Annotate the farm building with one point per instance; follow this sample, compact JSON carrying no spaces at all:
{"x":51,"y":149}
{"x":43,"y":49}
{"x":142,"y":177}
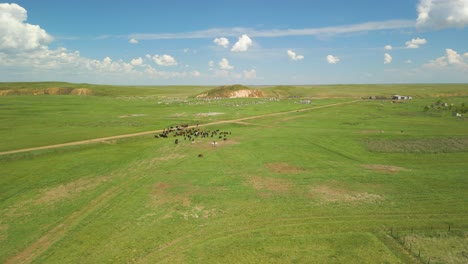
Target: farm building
{"x":401,"y":97}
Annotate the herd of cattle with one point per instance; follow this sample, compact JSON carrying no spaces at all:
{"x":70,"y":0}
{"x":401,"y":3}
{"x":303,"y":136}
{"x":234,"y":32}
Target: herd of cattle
{"x":192,"y":133}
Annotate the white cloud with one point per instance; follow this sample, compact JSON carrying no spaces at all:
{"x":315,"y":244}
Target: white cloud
{"x":224,"y":42}
{"x":440,"y":14}
{"x":465,"y":55}
{"x":137,"y":61}
{"x":408,"y":61}
{"x":387,"y":58}
{"x":186,"y":50}
{"x":15,"y":34}
{"x":224,"y":64}
{"x":415,"y":43}
{"x":133,"y":41}
{"x":453,"y":57}
{"x":211,"y":63}
{"x":252,"y":74}
{"x":388,"y":47}
{"x":273,"y":33}
{"x":332,"y":59}
{"x":451,"y":60}
{"x":195,"y":73}
{"x":152,"y":73}
{"x":164,"y":60}
{"x":242,"y":44}
{"x":293,"y":56}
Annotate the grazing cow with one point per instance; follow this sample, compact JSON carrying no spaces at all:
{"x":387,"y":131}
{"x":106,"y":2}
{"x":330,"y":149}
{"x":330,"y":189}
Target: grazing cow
{"x":200,"y":155}
{"x":176,"y":141}
{"x":214,"y":144}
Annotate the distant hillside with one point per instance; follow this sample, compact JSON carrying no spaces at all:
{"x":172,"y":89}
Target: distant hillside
{"x":231,"y":91}
{"x":64,"y":88}
{"x":47,"y":91}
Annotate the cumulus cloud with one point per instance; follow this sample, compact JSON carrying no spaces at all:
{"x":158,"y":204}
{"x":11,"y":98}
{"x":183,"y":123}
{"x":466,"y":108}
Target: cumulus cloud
{"x":408,"y":61}
{"x":15,"y":34}
{"x":242,"y":44}
{"x":211,"y":64}
{"x":293,"y":56}
{"x":164,"y":60}
{"x":387,"y":58}
{"x":440,"y":14}
{"x":388,"y":47}
{"x":332,"y":59}
{"x":453,"y":57}
{"x":133,"y":41}
{"x":451,"y":60}
{"x":252,"y":74}
{"x":415,"y":43}
{"x":137,"y":61}
{"x":224,"y":42}
{"x":224,"y":64}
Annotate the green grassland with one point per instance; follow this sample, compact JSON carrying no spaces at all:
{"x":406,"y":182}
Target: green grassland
{"x":365,"y":182}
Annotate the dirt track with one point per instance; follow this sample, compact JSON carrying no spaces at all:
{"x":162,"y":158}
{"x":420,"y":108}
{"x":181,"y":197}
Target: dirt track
{"x":100,"y":140}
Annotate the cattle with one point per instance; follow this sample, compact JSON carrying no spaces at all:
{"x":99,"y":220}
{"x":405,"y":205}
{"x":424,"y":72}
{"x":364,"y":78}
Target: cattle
{"x":200,"y":155}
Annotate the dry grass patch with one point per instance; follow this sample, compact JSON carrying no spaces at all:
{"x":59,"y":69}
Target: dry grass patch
{"x":283,"y":168}
{"x":418,"y":145}
{"x":331,"y":194}
{"x":270,"y":184}
{"x":199,"y":211}
{"x":64,"y":191}
{"x":52,"y":195}
{"x":383,"y":168}
{"x":163,"y":194}
{"x":3,"y":232}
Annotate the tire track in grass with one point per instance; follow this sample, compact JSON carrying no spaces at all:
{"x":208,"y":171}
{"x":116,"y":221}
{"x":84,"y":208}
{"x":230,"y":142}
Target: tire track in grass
{"x":47,"y":240}
{"x":104,"y":139}
{"x":38,"y":247}
{"x":166,"y":251}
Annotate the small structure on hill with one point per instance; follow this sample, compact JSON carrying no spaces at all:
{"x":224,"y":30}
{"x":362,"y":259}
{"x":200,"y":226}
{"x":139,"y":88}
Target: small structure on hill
{"x":401,"y":97}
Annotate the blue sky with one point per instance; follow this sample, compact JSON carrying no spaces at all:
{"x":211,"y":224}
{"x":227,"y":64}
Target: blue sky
{"x":224,"y":42}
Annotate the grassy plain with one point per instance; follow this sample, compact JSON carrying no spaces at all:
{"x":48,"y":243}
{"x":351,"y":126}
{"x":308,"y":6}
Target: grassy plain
{"x":318,"y":186}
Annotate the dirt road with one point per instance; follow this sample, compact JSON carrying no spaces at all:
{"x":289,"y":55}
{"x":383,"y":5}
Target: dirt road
{"x":104,"y":139}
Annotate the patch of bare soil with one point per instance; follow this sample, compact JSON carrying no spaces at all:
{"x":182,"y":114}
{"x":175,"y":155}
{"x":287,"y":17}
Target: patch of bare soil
{"x":330,"y":194}
{"x":163,"y":195}
{"x":131,"y":115}
{"x":81,"y":91}
{"x":199,"y":211}
{"x":383,"y":168}
{"x":246,"y":93}
{"x":283,"y":168}
{"x":269,"y":184}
